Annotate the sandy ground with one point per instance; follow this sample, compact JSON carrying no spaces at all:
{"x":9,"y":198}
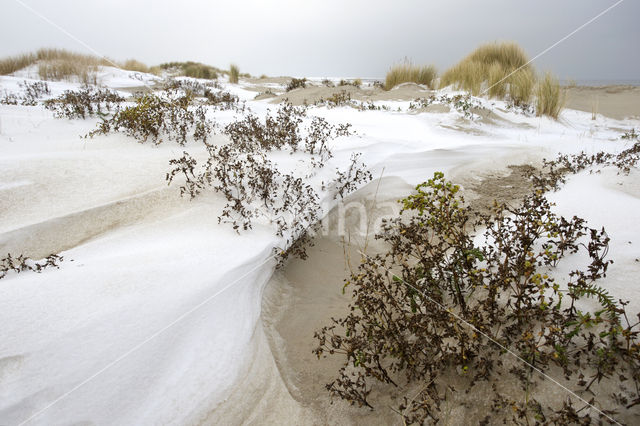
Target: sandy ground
{"x":617,"y":102}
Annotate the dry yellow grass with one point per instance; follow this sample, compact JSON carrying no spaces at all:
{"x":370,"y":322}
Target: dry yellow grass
{"x":234,"y":73}
{"x":521,"y":86}
{"x":15,"y":63}
{"x":550,"y":97}
{"x":61,"y":64}
{"x":408,"y":73}
{"x":134,"y":65}
{"x":490,"y":64}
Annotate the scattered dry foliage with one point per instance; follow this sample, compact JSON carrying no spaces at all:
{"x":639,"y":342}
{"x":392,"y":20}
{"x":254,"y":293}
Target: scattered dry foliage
{"x":23,"y":263}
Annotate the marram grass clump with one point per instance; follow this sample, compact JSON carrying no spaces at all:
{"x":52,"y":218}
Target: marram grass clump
{"x":550,"y":97}
{"x":409,"y":73}
{"x":489,"y":63}
{"x":234,"y":73}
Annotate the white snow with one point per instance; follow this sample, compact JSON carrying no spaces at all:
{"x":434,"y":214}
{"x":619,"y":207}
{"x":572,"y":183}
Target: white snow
{"x":150,"y":315}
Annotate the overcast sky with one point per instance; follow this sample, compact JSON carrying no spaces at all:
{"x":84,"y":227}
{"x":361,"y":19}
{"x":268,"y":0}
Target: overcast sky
{"x":350,"y":38}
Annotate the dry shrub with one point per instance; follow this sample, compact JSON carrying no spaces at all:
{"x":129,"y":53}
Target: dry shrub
{"x":550,"y":97}
{"x":409,"y":73}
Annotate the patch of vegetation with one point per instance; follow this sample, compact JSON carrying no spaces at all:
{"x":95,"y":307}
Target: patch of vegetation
{"x":155,"y":118}
{"x":234,"y":73}
{"x":252,"y":184}
{"x":355,"y":83}
{"x":409,"y":73}
{"x":341,"y":98}
{"x":296,"y":83}
{"x":443,"y":304}
{"x":521,"y":85}
{"x":630,"y":135}
{"x":134,"y":65}
{"x":461,"y":103}
{"x":192,"y":69}
{"x":489,"y":62}
{"x":83,"y":103}
{"x":550,"y":97}
{"x":55,"y":64}
{"x":23,"y":263}
{"x":32,"y":93}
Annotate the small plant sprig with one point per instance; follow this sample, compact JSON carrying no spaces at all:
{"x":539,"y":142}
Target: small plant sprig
{"x":23,"y":263}
{"x":631,"y":135}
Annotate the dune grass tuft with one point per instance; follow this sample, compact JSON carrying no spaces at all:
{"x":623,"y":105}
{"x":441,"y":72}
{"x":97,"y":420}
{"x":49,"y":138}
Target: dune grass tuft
{"x":15,"y":63}
{"x":234,"y":73}
{"x":61,"y":64}
{"x":521,"y":86}
{"x":409,"y":73}
{"x":134,"y":65}
{"x":550,"y":97}
{"x":489,"y":63}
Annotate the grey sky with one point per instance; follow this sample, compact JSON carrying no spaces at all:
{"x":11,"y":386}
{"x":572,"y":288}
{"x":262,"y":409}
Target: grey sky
{"x":351,"y":38}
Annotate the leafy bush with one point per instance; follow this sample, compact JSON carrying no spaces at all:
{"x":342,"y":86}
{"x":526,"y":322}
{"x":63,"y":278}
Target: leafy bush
{"x":442,"y":303}
{"x":253,"y":186}
{"x":550,"y":97}
{"x":155,"y":118}
{"x":83,"y":103}
{"x":407,"y":72}
{"x":296,"y":83}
